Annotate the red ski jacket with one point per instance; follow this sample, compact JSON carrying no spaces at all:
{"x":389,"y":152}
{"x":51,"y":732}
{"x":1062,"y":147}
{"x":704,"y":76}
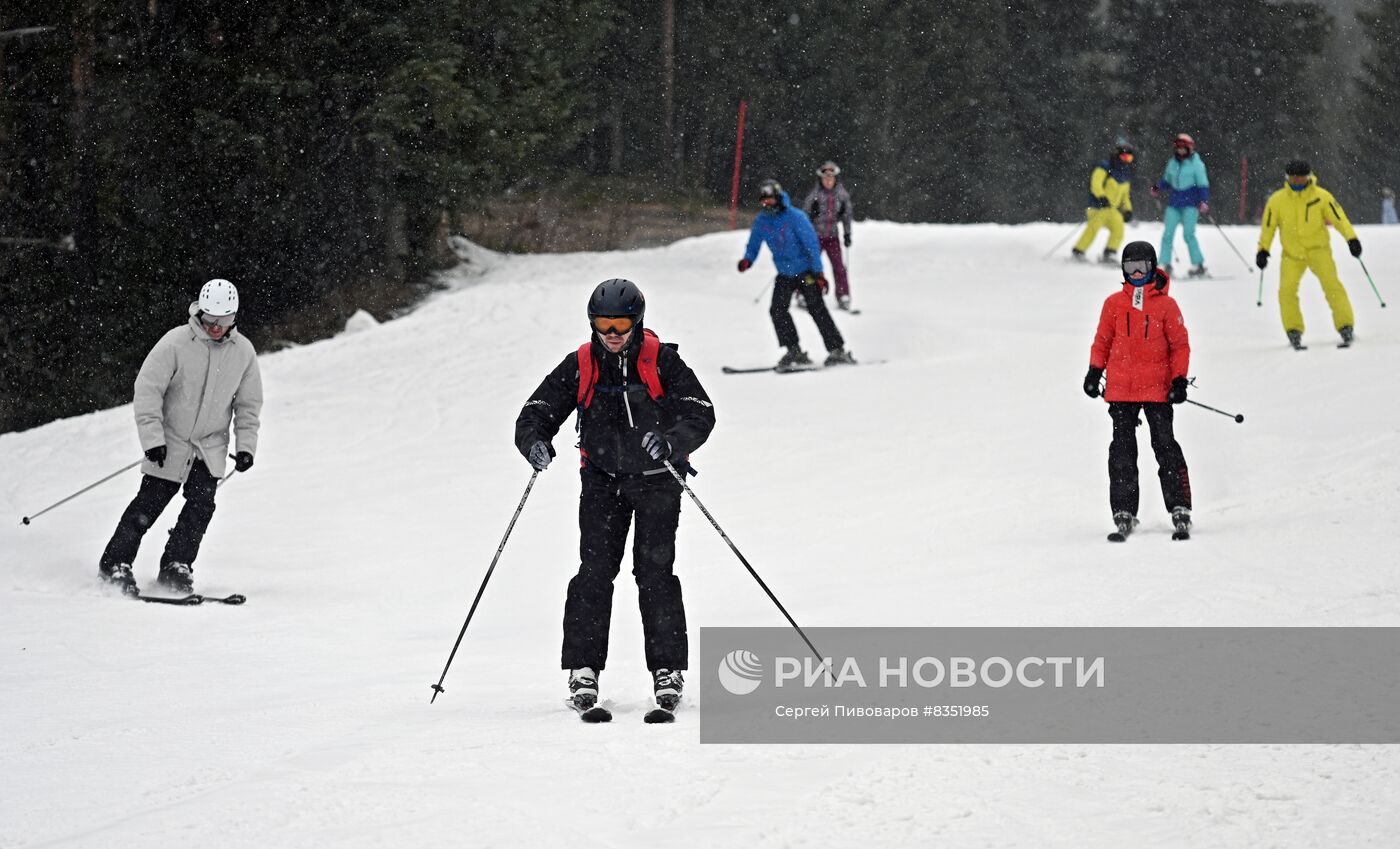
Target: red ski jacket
{"x":1141,"y":343}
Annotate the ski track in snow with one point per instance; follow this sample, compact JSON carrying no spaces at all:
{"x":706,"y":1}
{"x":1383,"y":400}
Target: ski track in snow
{"x":962,"y":483}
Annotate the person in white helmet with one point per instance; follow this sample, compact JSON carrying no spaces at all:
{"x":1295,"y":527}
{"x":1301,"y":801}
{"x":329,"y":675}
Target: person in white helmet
{"x":199,"y":379}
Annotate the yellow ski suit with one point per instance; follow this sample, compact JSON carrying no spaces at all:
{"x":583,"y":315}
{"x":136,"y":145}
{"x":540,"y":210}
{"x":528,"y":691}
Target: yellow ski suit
{"x":1110,"y":198}
{"x":1302,"y":217}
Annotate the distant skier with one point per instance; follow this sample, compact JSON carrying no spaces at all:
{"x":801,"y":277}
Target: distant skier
{"x":1142,"y":344}
{"x":1388,"y":207}
{"x":829,"y":204}
{"x":1185,"y":179}
{"x":1301,"y":212}
{"x":638,"y":404}
{"x":198,"y":379}
{"x":797,"y":255}
{"x":1110,"y":202}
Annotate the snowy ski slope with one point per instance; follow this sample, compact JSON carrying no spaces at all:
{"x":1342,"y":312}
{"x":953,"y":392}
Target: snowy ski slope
{"x":962,"y":483}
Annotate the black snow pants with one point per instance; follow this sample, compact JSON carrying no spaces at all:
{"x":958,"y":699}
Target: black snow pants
{"x":1123,"y":454}
{"x":780,"y":311}
{"x":605,"y":511}
{"x":146,"y":507}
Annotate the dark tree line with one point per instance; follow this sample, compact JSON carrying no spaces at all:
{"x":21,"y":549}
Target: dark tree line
{"x":307,"y":146}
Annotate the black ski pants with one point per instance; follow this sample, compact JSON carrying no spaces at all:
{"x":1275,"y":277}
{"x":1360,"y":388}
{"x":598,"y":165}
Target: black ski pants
{"x":780,"y":311}
{"x":606,"y":508}
{"x":1123,"y":455}
{"x":146,"y":507}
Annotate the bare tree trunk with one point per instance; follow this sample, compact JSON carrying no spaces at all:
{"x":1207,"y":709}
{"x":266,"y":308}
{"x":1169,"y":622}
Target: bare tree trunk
{"x":668,"y":87}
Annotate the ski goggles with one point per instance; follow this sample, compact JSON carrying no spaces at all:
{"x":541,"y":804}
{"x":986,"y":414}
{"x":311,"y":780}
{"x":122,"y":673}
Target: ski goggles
{"x":1137,"y":267}
{"x":1125,"y":158}
{"x":224,"y":321}
{"x":827,"y":172}
{"x":620,"y":325}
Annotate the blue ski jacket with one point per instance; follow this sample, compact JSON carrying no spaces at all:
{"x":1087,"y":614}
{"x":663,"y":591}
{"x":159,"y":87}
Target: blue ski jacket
{"x":1186,"y":179}
{"x":790,"y":236}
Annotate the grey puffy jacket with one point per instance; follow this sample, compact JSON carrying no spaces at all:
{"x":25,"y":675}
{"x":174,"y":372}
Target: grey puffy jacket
{"x":188,"y":392}
{"x":825,"y":208}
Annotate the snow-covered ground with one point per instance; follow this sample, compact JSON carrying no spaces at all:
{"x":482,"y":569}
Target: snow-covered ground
{"x":963,"y":482}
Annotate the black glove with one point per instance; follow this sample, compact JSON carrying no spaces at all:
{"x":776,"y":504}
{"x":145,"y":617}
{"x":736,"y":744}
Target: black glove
{"x":847,"y":240}
{"x":656,"y":445}
{"x":1261,"y":259}
{"x":1177,"y":394}
{"x":157,"y":455}
{"x":1091,"y":382}
{"x":242,"y":461}
{"x":1127,"y":215}
{"x":1355,"y":245}
{"x":540,"y":455}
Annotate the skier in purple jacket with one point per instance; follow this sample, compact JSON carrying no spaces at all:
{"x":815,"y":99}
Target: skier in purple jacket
{"x":828,"y":203}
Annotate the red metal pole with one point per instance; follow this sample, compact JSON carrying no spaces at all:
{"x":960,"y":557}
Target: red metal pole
{"x":738,"y":157}
{"x":1244,"y":185}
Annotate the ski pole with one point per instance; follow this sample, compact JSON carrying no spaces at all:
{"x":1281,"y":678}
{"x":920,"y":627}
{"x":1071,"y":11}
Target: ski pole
{"x":437,"y":688}
{"x":680,"y":480}
{"x":1372,"y":282}
{"x":1238,"y":417}
{"x":27,"y":519}
{"x":1259,"y":298}
{"x":1228,"y":242}
{"x":1061,"y":243}
{"x":759,"y":296}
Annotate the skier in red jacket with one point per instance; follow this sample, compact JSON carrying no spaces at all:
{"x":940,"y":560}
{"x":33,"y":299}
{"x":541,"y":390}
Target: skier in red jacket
{"x":1142,"y":343}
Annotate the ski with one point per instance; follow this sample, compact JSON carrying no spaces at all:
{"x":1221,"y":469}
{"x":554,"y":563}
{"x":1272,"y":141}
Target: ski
{"x":1117,"y":537}
{"x":192,"y":599}
{"x":592,"y":715}
{"x":790,"y":370}
{"x":658,"y":716}
{"x":1181,"y":535}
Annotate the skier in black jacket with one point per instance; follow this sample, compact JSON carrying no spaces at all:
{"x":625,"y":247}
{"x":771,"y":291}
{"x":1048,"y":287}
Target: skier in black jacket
{"x":638,"y":404}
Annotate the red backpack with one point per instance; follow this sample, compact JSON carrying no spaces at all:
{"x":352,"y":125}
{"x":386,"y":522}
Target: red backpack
{"x":646,"y":369}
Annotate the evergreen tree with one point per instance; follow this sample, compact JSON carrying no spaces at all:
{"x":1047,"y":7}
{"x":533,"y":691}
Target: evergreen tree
{"x":1374,"y":154}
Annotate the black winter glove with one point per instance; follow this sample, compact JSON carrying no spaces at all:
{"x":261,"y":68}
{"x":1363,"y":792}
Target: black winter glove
{"x":847,"y":240}
{"x":157,"y":455}
{"x":1261,"y":259}
{"x":242,"y":461}
{"x":655,"y":444}
{"x":540,"y":455}
{"x":1127,"y":216}
{"x":1177,"y":394}
{"x":1355,"y":245}
{"x":1091,"y":382}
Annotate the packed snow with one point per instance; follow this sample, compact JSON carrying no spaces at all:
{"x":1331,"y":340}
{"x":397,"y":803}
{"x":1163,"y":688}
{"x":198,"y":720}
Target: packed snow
{"x":961,"y":482}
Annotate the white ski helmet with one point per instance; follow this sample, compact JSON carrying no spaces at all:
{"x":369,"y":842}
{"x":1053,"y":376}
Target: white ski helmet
{"x":218,"y":297}
{"x":828,"y":166}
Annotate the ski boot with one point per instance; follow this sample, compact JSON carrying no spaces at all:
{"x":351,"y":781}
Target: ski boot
{"x":176,"y":577}
{"x":667,"y":685}
{"x":120,"y":576}
{"x":795,"y":358}
{"x":1125,"y":522}
{"x":1181,"y":521}
{"x":843,"y":302}
{"x":1198,"y":271}
{"x":1295,"y":338}
{"x":1110,"y":257}
{"x":840,"y":357}
{"x":1348,"y":336}
{"x":583,"y":688}
{"x":1077,"y":255}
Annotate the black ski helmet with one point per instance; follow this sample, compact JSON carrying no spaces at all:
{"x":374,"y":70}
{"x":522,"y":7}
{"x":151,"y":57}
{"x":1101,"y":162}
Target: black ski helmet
{"x":1297,"y":168}
{"x":1135,"y":251}
{"x":770,"y":188}
{"x":616,"y":298}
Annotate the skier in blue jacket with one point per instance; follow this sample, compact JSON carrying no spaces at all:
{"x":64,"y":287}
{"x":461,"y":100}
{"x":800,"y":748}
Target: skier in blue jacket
{"x":797,"y":254}
{"x":1185,"y":178}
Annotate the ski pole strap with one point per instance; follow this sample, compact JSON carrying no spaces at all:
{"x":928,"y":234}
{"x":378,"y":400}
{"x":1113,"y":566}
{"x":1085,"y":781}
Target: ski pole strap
{"x":27,"y":519}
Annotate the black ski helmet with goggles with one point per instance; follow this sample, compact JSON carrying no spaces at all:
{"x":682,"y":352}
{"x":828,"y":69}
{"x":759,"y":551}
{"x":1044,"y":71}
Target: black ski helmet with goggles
{"x":1140,"y":256}
{"x":617,"y":298}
